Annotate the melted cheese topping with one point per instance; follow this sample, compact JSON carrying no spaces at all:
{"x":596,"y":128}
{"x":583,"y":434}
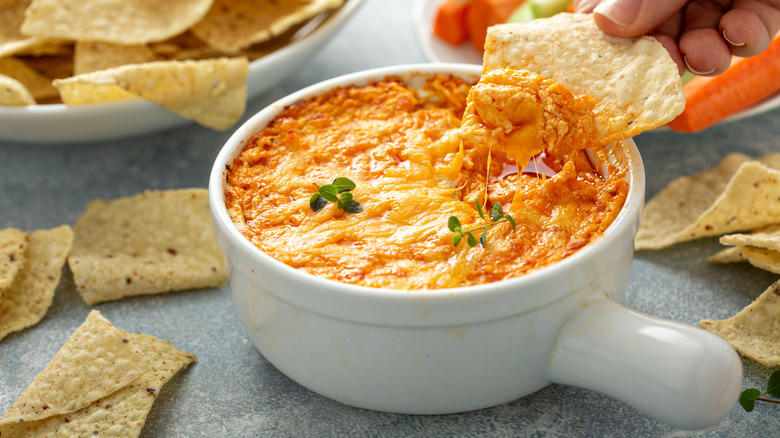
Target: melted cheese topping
{"x":412,"y":172}
{"x":523,"y":114}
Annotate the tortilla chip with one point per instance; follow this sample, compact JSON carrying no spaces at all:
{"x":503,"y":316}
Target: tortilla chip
{"x":39,"y":86}
{"x":119,"y":402}
{"x":123,"y":413}
{"x":94,"y":362}
{"x":737,"y":195}
{"x":755,"y":331}
{"x":112,"y":21}
{"x":761,"y":258}
{"x":13,"y":242}
{"x":233,"y":25}
{"x":767,"y":237}
{"x":728,"y":255}
{"x":634,"y":82}
{"x":14,"y":93}
{"x":31,"y":293}
{"x":212,"y":92}
{"x":150,"y":243}
{"x":94,"y":55}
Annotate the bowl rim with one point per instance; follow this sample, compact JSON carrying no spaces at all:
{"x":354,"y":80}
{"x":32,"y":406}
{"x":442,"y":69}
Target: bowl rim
{"x":324,"y":295}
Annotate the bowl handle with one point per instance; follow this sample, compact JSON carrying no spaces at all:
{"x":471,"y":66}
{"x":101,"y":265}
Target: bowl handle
{"x":679,"y":374}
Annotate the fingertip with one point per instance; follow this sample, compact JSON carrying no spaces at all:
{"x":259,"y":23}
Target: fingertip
{"x":705,"y":52}
{"x":744,"y":32}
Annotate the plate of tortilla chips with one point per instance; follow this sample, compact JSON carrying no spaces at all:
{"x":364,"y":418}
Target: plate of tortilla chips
{"x":101,"y":70}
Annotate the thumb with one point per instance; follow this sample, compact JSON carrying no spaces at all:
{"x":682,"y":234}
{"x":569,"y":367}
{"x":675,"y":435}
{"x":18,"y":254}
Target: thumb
{"x":631,"y":18}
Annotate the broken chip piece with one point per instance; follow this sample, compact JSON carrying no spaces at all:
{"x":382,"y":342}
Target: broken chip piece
{"x":25,"y":302}
{"x":738,"y":195}
{"x":103,"y":381}
{"x":755,"y":331}
{"x":153,"y":242}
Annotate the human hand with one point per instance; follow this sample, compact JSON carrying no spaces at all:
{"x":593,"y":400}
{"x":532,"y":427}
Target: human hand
{"x":699,"y":34}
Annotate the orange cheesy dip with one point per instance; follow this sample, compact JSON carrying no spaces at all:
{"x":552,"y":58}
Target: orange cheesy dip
{"x":400,"y":144}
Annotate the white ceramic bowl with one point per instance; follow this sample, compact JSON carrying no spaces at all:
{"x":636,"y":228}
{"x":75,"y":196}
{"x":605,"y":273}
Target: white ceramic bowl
{"x":60,"y":123}
{"x":454,"y":350}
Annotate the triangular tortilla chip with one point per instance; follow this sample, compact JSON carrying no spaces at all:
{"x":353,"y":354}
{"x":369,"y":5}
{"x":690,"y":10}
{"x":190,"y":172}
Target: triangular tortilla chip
{"x":212,"y":92}
{"x":233,"y":25}
{"x":123,"y":413}
{"x":634,"y":82}
{"x":114,"y":21}
{"x":755,"y":330}
{"x":13,"y":242}
{"x":94,"y":362}
{"x":149,"y":243}
{"x":737,"y":195}
{"x":30,"y":295}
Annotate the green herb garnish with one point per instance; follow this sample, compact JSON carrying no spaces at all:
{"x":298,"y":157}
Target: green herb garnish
{"x":497,"y":216}
{"x":339,"y":192}
{"x":749,"y":396}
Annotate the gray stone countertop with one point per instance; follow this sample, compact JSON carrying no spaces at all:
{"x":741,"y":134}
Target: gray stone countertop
{"x":233,"y":391}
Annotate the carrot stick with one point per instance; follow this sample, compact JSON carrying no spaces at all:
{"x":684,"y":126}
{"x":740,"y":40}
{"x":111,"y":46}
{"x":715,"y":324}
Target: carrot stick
{"x":745,"y":83}
{"x":485,"y":13}
{"x":450,"y":21}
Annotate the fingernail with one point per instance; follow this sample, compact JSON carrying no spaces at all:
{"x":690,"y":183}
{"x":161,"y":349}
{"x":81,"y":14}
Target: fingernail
{"x":731,"y":42}
{"x":620,"y":12}
{"x":699,"y":73}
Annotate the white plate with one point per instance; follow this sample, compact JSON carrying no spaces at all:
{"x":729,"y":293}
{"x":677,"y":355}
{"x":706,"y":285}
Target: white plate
{"x":436,"y":50}
{"x":104,"y":121}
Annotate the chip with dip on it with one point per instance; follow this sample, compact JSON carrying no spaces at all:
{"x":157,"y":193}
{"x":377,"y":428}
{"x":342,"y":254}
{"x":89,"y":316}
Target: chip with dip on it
{"x":25,"y":302}
{"x":740,"y":194}
{"x":153,"y":242}
{"x":585,"y":88}
{"x":103,"y":381}
{"x":212,"y":92}
{"x":755,"y":331}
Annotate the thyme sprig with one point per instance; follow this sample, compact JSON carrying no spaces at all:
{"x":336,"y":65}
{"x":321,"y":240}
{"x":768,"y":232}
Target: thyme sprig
{"x":749,"y":396}
{"x":339,"y":192}
{"x":497,"y":216}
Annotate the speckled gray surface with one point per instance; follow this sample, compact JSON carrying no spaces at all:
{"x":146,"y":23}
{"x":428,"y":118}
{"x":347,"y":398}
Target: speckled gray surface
{"x":233,"y":391}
